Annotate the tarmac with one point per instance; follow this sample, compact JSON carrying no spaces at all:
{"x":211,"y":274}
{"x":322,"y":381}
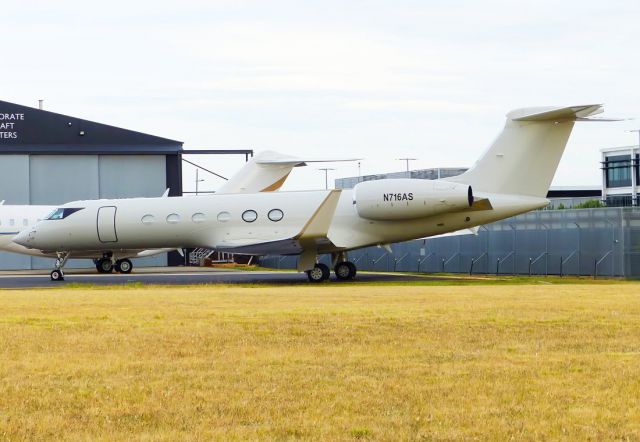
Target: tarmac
{"x":179,"y":276}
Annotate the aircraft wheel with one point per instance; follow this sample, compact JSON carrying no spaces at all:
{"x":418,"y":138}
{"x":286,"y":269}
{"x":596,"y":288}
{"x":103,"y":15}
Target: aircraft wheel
{"x":345,"y":270}
{"x":319,"y":273}
{"x":124,"y":266}
{"x":57,"y":275}
{"x":104,"y":265}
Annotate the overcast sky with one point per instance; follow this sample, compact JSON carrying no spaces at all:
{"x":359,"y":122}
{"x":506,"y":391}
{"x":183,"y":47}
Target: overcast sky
{"x":378,"y":80}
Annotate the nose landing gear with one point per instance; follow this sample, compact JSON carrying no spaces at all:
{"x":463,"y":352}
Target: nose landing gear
{"x":57,"y":274}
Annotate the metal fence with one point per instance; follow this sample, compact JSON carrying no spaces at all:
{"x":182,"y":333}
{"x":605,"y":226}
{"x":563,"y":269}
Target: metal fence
{"x":596,"y":242}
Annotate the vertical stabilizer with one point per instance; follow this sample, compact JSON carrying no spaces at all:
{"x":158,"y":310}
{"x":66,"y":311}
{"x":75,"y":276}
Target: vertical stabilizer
{"x":525,"y":156}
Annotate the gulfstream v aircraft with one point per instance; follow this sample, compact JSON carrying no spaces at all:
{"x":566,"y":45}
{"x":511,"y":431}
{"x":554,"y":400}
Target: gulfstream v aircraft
{"x":512,"y":177}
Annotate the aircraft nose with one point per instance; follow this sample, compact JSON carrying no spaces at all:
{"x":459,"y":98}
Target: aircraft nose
{"x":24,"y":237}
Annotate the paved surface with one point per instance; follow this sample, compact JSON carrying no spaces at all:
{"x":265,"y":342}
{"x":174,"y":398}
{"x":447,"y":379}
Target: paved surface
{"x":172,"y":276}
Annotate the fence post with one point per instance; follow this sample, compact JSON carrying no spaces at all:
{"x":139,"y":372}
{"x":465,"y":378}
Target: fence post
{"x":530,"y":259}
{"x":561,"y":266}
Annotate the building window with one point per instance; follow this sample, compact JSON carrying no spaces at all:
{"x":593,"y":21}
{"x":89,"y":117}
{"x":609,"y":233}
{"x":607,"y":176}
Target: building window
{"x":25,"y":222}
{"x":618,"y":170}
{"x":619,"y":200}
{"x":249,"y":216}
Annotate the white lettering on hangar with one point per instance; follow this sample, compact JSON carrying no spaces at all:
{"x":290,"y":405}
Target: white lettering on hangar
{"x":7,"y":125}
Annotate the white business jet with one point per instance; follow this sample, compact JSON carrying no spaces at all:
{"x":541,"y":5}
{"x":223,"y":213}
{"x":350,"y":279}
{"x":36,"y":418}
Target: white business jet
{"x":512,"y":177}
{"x":266,"y":172}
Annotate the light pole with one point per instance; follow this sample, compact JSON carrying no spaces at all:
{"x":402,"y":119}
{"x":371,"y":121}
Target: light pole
{"x":326,"y":176}
{"x":407,"y":160}
{"x":634,"y":167}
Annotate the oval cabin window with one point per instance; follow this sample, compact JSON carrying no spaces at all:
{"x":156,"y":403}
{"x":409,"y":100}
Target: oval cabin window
{"x":148,"y":219}
{"x":198,"y":218}
{"x":249,"y":216}
{"x":174,"y":218}
{"x":223,"y":217}
{"x":275,"y":215}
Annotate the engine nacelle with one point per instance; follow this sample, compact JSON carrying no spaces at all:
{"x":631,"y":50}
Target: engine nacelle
{"x":395,"y":199}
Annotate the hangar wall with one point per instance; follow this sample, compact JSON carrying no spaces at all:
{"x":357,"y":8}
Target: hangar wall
{"x":57,"y":179}
{"x":48,"y":158}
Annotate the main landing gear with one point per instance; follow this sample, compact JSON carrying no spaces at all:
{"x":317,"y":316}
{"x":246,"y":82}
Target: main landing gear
{"x":106,"y":265}
{"x":57,"y":274}
{"x":344,"y":270}
{"x":320,"y":272}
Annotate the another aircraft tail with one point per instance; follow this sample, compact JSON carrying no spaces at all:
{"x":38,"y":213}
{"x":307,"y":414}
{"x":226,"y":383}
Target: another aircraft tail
{"x":267,"y":172}
{"x":525,"y":156}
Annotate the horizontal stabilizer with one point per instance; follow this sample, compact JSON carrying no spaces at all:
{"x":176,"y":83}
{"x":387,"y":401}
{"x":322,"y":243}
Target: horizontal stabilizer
{"x":570,"y":113}
{"x":297,"y":162}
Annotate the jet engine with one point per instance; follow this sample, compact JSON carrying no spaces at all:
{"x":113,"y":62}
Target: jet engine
{"x":395,"y":199}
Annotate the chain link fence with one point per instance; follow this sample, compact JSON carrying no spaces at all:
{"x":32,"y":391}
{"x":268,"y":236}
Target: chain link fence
{"x":595,"y":242}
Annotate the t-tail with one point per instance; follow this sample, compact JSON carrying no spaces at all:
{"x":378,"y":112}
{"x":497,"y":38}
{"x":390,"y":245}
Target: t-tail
{"x":525,"y":156}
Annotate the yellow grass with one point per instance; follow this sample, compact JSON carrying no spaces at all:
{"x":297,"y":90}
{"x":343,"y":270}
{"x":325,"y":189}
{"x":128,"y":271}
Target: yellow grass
{"x":335,"y":362}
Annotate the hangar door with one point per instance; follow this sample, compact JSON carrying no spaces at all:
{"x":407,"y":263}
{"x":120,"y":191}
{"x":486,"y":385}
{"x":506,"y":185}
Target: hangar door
{"x":107,"y":224}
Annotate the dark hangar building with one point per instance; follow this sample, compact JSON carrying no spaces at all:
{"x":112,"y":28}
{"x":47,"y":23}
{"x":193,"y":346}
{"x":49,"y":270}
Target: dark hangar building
{"x":49,"y":159}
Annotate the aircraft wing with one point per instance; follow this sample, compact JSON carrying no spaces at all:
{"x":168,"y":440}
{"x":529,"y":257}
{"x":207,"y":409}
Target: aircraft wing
{"x":312,"y":237}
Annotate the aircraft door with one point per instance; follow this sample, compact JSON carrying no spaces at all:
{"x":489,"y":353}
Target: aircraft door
{"x":107,"y":224}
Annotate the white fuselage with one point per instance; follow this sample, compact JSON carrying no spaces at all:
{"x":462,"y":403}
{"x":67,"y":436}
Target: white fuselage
{"x":217,"y":222}
{"x":15,"y":218}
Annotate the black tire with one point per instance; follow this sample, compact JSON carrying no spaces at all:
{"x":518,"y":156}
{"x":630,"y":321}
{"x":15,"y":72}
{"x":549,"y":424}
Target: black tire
{"x":104,"y":265}
{"x":57,"y":275}
{"x":319,"y":273}
{"x":124,"y":266}
{"x":345,"y":271}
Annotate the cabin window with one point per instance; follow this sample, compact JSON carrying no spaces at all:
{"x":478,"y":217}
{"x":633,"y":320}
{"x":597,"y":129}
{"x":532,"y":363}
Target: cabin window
{"x":174,"y":218}
{"x":249,"y":216}
{"x":198,"y":218}
{"x":148,"y":220}
{"x":223,"y":217}
{"x":275,"y":215}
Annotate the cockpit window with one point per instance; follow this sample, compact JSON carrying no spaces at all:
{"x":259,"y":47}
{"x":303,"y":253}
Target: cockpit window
{"x":62,"y":213}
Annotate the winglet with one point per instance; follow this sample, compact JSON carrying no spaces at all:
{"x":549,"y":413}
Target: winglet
{"x":319,"y":223}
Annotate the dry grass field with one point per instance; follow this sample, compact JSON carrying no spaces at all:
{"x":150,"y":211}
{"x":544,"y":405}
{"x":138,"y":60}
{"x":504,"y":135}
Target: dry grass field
{"x":330,"y":362}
